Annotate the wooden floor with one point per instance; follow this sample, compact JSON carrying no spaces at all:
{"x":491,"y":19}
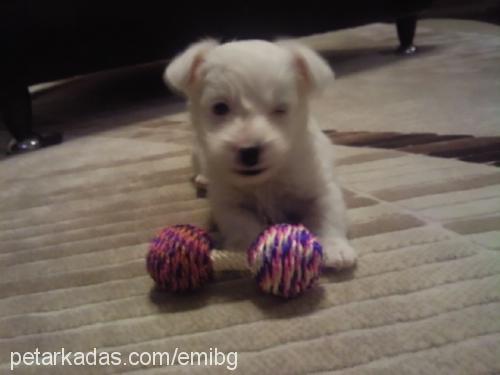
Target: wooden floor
{"x":484,"y":150}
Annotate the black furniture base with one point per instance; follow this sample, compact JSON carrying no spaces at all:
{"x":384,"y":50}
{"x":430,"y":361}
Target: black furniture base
{"x":406,"y":27}
{"x":33,"y":142}
{"x":16,"y":110}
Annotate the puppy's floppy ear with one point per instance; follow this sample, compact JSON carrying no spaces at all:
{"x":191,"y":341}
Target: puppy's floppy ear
{"x":313,"y":71}
{"x":181,"y":73}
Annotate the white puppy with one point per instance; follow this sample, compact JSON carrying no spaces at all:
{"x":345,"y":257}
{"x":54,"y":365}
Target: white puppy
{"x":264,"y":157}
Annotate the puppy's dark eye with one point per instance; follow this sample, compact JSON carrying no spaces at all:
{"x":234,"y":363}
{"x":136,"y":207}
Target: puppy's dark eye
{"x":220,"y":109}
{"x":280,"y":110}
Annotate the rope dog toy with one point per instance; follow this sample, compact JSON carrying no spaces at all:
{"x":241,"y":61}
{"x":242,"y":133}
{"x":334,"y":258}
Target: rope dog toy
{"x":285,"y":259}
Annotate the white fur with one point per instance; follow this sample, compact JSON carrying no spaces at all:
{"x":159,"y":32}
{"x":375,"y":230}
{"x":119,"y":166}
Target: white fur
{"x":267,"y":87}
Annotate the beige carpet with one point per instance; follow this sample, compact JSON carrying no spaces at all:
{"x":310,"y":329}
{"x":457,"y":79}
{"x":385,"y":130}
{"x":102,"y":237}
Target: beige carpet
{"x":425,"y":297}
{"x":451,"y":87}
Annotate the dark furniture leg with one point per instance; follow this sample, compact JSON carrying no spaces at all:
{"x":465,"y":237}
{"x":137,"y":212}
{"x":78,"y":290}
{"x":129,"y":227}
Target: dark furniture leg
{"x":406,"y":27}
{"x":17,"y":115}
{"x":16,"y":108}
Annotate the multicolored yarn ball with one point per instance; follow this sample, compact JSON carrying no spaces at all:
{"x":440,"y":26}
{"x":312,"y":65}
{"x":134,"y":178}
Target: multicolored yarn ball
{"x":285,"y":260}
{"x":179,"y":258}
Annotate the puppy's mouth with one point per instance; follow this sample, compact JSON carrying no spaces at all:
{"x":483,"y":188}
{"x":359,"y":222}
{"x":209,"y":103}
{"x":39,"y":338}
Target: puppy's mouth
{"x":249,"y":172}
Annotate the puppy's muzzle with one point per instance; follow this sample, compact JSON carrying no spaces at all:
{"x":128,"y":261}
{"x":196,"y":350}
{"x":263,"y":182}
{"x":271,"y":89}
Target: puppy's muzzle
{"x":249,"y":156}
{"x":249,"y":160}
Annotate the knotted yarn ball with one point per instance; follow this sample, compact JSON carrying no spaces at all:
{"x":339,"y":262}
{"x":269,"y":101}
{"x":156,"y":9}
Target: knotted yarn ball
{"x":179,"y":258}
{"x":285,"y":260}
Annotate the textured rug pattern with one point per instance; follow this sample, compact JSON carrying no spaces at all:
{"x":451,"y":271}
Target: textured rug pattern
{"x":463,"y":147}
{"x":425,"y":297}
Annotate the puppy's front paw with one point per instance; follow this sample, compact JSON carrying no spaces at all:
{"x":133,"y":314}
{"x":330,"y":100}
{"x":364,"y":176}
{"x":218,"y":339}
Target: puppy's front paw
{"x":200,"y":181}
{"x":338,"y":253}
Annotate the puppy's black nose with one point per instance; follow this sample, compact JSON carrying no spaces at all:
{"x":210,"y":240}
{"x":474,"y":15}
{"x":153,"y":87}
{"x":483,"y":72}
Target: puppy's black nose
{"x":249,"y":156}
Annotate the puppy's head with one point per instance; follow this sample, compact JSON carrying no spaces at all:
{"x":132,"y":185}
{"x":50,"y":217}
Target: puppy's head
{"x":248,"y":102}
